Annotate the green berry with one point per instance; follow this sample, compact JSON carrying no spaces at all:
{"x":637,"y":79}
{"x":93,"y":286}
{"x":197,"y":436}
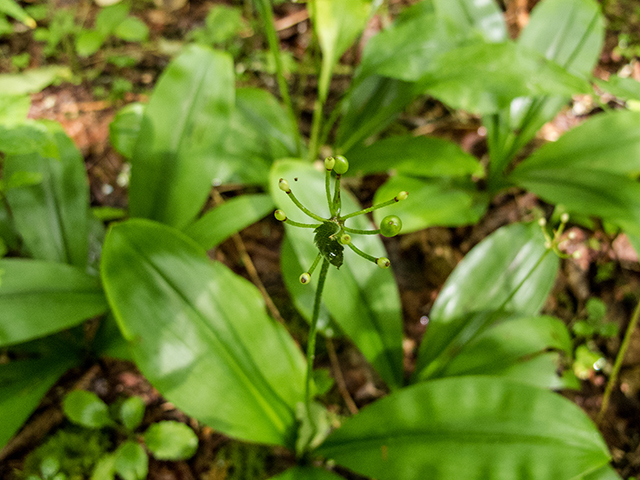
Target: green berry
{"x":329,"y":163}
{"x":305,"y":278}
{"x":341,"y":166}
{"x":390,"y":226}
{"x":401,"y":196}
{"x":345,"y":239}
{"x":284,"y":185}
{"x":280,"y":215}
{"x":383,"y":262}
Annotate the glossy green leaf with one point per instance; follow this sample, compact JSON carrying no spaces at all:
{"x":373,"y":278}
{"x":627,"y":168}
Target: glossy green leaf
{"x":337,"y":24}
{"x":86,"y":409}
{"x":613,"y":197}
{"x":208,"y":346}
{"x":568,"y":32}
{"x":541,"y":370}
{"x":259,"y":133}
{"x":171,"y":440}
{"x":509,"y":271}
{"x":604,"y":473}
{"x":218,"y":224}
{"x":131,"y":461}
{"x":39,"y":298}
{"x":485,"y":17}
{"x":125,"y":128}
{"x":414,"y":157}
{"x":52,"y":215}
{"x":306,"y":473}
{"x":469,"y":427}
{"x":182,"y":128}
{"x":372,"y":104}
{"x":32,"y":81}
{"x":132,"y":29}
{"x":329,"y":247}
{"x":486,"y":77}
{"x":609,"y":142}
{"x":23,"y":383}
{"x":132,"y":412}
{"x":362,"y":298}
{"x":442,"y":202}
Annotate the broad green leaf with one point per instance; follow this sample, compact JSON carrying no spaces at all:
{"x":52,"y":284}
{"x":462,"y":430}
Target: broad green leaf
{"x":337,"y":24}
{"x":132,"y":29}
{"x":23,"y":383}
{"x":110,"y":17}
{"x":11,"y":8}
{"x":8,"y":231}
{"x":171,"y":440}
{"x":109,"y":341}
{"x":89,"y":42}
{"x":625,"y":88}
{"x":541,"y":370}
{"x":183,"y":127}
{"x":609,"y":142}
{"x":571,"y":34}
{"x":469,"y":427}
{"x":125,"y":128}
{"x":259,"y":133}
{"x":362,"y":298}
{"x":306,"y":473}
{"x":613,"y":197}
{"x":605,"y":473}
{"x":39,"y":298}
{"x":14,"y":109}
{"x":437,"y":201}
{"x":218,"y":224}
{"x":52,"y":215}
{"x":208,"y":346}
{"x":32,"y":81}
{"x":132,"y":412}
{"x":372,"y":104}
{"x":86,"y":409}
{"x":414,"y":157}
{"x":131,"y":461}
{"x":28,"y":136}
{"x":486,"y":77}
{"x":509,"y":271}
{"x":484,"y":17}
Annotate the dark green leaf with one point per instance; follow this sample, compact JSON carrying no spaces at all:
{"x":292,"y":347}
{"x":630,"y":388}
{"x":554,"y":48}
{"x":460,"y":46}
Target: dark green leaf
{"x":469,"y":427}
{"x":362,"y":298}
{"x":208,"y":345}
{"x":131,"y":461}
{"x":329,"y":247}
{"x":23,"y":383}
{"x":414,"y":157}
{"x":52,"y":215}
{"x":218,"y":224}
{"x":509,"y":271}
{"x":86,"y":409}
{"x":39,"y":298}
{"x":182,"y":128}
{"x":109,"y":342}
{"x":125,"y":128}
{"x":132,"y":412}
{"x":170,"y":440}
{"x":306,"y":473}
{"x":442,"y":202}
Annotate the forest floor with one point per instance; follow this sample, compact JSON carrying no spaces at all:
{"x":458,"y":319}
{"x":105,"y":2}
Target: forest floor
{"x":608,"y":268}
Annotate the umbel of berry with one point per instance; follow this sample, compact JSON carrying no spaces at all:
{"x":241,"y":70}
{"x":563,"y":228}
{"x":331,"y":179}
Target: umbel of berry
{"x":331,"y":234}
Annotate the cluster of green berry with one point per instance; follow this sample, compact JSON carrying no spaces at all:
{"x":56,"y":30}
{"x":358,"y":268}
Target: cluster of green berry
{"x":331,"y":234}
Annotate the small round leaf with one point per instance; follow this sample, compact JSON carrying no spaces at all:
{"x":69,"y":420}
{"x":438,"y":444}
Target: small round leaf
{"x":132,"y":412}
{"x":131,"y":462}
{"x":170,"y":440}
{"x":86,"y":409}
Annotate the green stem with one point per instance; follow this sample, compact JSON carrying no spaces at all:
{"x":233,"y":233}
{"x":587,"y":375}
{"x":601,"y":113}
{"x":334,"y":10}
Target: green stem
{"x":301,"y":225}
{"x":358,"y":231}
{"x":613,"y":379}
{"x":366,"y":256}
{"x":311,"y":344}
{"x":371,"y":209}
{"x":327,"y":188}
{"x":264,"y":7}
{"x":337,"y":200}
{"x":308,"y":212}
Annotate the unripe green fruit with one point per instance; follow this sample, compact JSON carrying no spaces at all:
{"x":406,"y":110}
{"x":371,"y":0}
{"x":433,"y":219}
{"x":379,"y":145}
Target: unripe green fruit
{"x":329,"y":163}
{"x":383,"y":262}
{"x":390,"y":226}
{"x":280,"y":215}
{"x":401,"y":196}
{"x":305,"y":278}
{"x":341,"y":166}
{"x":284,"y":185}
{"x":345,"y":239}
